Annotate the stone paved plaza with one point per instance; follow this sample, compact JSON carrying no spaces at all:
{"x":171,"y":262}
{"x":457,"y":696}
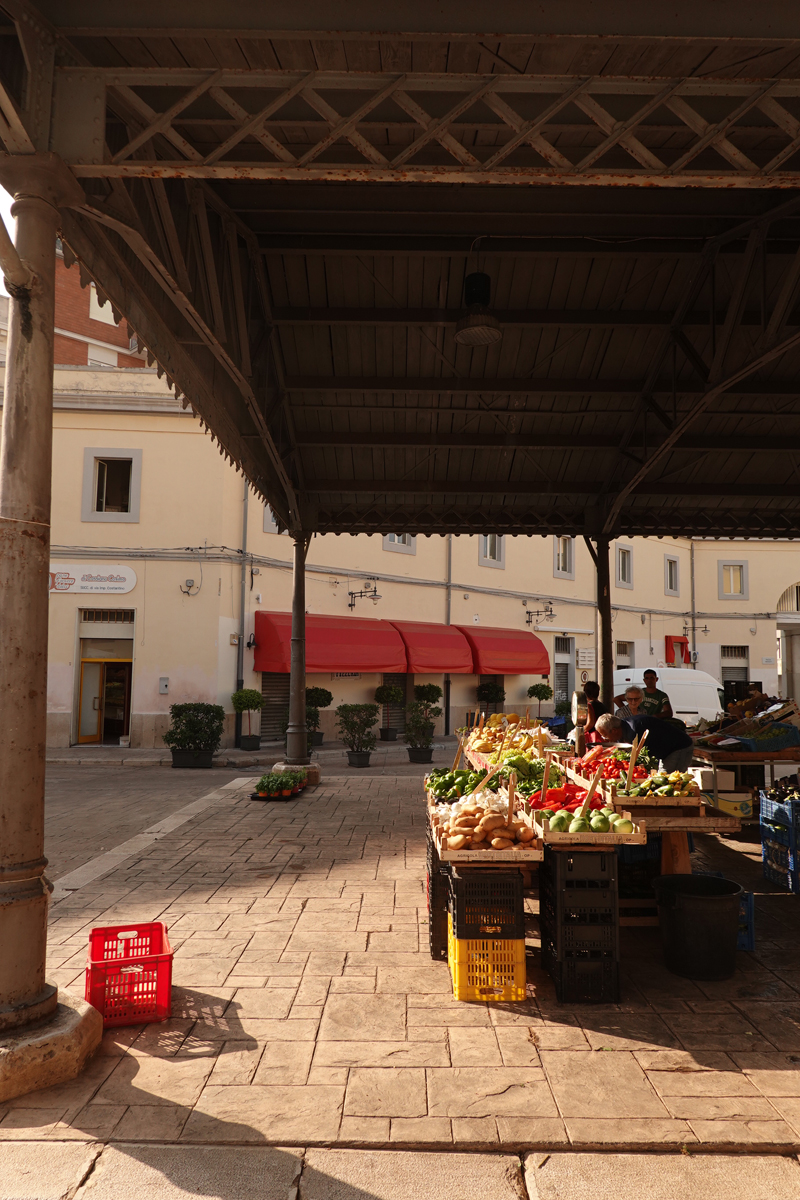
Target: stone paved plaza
{"x":307,"y":1010}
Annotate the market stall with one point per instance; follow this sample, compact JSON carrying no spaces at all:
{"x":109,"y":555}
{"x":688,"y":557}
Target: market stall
{"x":763,"y":736}
{"x":525,"y":799}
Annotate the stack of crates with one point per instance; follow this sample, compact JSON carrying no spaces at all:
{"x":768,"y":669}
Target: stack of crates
{"x":579,"y":918}
{"x":438,"y":896}
{"x":486,"y":935}
{"x":780,"y":829}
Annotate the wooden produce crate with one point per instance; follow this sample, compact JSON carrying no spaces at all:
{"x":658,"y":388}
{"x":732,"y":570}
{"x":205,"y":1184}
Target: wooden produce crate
{"x":530,"y":853}
{"x":549,"y":838}
{"x":691,"y":819}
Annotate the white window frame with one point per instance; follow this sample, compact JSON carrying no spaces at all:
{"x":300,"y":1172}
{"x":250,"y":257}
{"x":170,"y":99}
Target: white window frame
{"x":621,"y":583}
{"x":88,"y":513}
{"x":557,"y":572}
{"x":733,"y":562}
{"x":270,"y":524}
{"x":498,"y":563}
{"x":668,"y":591}
{"x":409,"y":547}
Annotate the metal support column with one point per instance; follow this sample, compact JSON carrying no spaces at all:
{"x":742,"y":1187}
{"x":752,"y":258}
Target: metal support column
{"x":604,"y":607}
{"x":39,"y":183}
{"x":297,"y":733}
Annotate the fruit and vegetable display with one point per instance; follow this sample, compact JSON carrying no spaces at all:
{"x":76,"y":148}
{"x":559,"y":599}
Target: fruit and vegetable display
{"x":481,"y":822}
{"x":602,"y":820}
{"x":452,"y":785}
{"x":783,"y":791}
{"x":677,"y":783}
{"x":614,"y":762}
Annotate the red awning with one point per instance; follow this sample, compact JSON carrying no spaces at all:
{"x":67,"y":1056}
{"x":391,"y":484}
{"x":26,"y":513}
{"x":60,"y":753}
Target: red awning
{"x":506,"y":651}
{"x":676,"y":648}
{"x":431,"y":648}
{"x":332,"y":644}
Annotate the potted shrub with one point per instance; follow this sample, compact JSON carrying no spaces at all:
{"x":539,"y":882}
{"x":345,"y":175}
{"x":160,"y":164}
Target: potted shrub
{"x":248,"y":700}
{"x":540,"y":692}
{"x":421,"y":717}
{"x":312,"y":725}
{"x":491,"y":693}
{"x":317,"y":698}
{"x":388,"y":693}
{"x":355,"y":722}
{"x":195,"y":733}
{"x":286,"y":782}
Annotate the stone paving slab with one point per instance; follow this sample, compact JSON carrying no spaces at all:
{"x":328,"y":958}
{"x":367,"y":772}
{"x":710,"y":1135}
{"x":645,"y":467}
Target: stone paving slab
{"x":307,"y":1010}
{"x":661,"y":1177}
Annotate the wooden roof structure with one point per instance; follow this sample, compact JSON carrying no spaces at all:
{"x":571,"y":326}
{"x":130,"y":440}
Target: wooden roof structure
{"x":286,"y":215}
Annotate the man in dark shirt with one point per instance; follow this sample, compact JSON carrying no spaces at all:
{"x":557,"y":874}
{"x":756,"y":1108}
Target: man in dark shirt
{"x":667,"y":742}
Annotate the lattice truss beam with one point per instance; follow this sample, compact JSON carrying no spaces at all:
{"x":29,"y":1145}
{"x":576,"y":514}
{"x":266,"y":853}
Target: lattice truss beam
{"x":432,"y":127}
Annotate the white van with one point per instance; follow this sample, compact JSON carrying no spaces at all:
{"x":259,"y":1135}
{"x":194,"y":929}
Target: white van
{"x":692,"y":694}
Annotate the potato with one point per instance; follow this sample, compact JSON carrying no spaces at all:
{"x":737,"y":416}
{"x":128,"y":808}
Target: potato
{"x":526,"y":834}
{"x":468,"y":821}
{"x":493,"y":821}
{"x":478,"y":836}
{"x":458,"y":842}
{"x":500,"y":843}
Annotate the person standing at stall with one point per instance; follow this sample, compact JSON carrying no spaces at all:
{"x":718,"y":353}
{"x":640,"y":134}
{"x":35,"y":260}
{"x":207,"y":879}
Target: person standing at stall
{"x":655,"y":703}
{"x":666,"y":740}
{"x":596,"y":708}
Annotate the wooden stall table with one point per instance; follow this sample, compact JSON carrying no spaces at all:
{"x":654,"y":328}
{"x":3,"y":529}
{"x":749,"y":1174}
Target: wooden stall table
{"x":731,"y":759}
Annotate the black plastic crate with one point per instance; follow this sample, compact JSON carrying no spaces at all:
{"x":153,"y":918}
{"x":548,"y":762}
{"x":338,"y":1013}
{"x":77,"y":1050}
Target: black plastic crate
{"x":584,"y":871}
{"x":585,"y":981}
{"x":437,"y":920}
{"x":487,"y":904}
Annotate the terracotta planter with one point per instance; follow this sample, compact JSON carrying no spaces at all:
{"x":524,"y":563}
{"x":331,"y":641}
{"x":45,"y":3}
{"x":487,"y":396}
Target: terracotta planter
{"x":286,"y":792}
{"x":263,"y":793}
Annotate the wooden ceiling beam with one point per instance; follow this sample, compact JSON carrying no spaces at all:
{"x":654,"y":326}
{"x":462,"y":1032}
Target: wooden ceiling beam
{"x":526,"y":385}
{"x":778,"y":443}
{"x":569,"y":487}
{"x":608,"y":318}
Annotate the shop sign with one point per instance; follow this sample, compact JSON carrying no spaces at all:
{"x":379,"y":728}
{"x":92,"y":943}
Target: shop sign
{"x":91,"y":577}
{"x":346,"y":675}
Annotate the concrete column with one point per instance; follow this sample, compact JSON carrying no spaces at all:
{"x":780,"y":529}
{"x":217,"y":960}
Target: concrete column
{"x":39,"y":183}
{"x":297,"y":733}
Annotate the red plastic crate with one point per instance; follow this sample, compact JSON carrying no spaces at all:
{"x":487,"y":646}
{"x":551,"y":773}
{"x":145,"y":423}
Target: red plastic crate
{"x":129,"y":973}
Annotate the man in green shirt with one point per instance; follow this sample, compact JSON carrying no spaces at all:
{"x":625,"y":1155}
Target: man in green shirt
{"x":655,"y":702}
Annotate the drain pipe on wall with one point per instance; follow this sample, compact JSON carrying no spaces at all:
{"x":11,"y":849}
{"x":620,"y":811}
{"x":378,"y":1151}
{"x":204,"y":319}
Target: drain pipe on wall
{"x":694,"y":610}
{"x":242,"y":615}
{"x":447,"y":609}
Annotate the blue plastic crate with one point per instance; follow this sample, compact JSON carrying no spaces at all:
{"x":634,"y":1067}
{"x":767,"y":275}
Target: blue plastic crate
{"x":779,"y":856}
{"x":780,"y":812}
{"x":781,"y":738}
{"x":649,"y":852}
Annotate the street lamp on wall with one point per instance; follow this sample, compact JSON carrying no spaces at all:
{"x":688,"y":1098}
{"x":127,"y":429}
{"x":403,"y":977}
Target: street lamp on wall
{"x":367,"y":593}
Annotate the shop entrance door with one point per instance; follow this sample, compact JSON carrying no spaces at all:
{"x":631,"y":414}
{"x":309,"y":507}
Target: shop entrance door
{"x":105,"y":701}
{"x":90,"y":726}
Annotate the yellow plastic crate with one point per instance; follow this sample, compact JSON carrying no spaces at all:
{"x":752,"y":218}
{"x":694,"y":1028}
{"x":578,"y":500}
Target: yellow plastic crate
{"x":486,"y":968}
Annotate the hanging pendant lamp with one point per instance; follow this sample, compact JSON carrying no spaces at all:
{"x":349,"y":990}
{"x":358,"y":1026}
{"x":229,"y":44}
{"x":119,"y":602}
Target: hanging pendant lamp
{"x":478,"y":327}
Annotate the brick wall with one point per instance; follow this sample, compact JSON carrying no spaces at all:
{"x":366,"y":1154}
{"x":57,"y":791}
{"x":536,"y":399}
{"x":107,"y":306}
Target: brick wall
{"x":70,"y":352}
{"x":72,"y":312}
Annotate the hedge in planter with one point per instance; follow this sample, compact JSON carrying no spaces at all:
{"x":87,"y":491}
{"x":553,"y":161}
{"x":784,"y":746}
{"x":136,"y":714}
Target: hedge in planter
{"x":316,"y":698}
{"x":421,"y":717}
{"x":195,"y":733}
{"x":491,"y":693}
{"x":355,"y":723}
{"x":248,"y":700}
{"x":386,"y":694}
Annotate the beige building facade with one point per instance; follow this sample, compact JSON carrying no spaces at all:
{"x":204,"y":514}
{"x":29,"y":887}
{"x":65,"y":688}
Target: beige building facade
{"x":156,"y":540}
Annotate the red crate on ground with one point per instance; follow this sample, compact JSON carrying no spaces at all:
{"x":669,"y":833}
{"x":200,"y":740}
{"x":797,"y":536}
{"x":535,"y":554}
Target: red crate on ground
{"x":129,"y":973}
